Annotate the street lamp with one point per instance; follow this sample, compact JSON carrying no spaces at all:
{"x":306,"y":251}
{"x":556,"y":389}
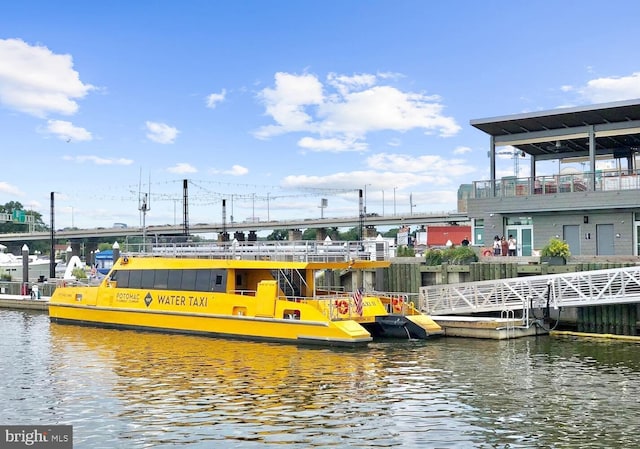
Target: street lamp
{"x":394,"y":201}
{"x":365,"y":198}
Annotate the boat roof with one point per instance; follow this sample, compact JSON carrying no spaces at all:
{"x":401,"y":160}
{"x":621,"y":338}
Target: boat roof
{"x":267,"y":255}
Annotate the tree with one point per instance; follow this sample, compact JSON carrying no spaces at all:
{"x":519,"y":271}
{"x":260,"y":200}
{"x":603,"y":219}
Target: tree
{"x":278,"y":234}
{"x":20,"y":219}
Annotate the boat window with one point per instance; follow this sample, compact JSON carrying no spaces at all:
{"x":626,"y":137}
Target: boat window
{"x":148,"y":278}
{"x":121,"y":277}
{"x":175,"y":280}
{"x":162,"y":279}
{"x":203,"y":280}
{"x":135,"y":279}
{"x":188,"y":280}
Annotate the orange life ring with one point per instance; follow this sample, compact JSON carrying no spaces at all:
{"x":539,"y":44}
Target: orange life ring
{"x":397,"y":303}
{"x":342,"y":306}
{"x":487,"y":252}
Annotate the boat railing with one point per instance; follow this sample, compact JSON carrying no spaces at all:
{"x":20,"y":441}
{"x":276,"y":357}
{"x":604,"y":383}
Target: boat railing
{"x":291,"y":251}
{"x":341,"y":305}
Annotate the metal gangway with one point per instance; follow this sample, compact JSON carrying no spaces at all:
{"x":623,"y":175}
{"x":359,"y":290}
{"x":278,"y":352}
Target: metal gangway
{"x":584,"y":288}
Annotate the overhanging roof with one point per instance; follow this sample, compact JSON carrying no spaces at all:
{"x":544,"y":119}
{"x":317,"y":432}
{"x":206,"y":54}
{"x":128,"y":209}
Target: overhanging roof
{"x":564,"y":132}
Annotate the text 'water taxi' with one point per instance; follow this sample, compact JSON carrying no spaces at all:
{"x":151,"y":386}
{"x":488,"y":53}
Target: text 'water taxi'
{"x":263,"y":291}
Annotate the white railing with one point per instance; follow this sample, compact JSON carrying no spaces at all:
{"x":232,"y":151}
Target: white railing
{"x":585,"y":288}
{"x":296,"y":251}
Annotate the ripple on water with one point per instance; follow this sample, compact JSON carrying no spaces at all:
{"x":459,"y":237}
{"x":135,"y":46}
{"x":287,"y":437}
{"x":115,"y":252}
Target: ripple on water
{"x":139,"y":390}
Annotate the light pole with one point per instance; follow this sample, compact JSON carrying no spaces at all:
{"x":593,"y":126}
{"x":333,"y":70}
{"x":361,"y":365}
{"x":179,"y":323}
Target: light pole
{"x":365,"y":198}
{"x":52,"y":256}
{"x":394,"y":201}
{"x":383,"y":202}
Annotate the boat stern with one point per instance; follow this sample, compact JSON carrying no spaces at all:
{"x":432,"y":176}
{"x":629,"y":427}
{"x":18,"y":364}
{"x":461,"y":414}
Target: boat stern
{"x":419,"y":327}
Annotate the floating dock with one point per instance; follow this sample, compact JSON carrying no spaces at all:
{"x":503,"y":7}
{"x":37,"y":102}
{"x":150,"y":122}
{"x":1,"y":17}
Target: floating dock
{"x":454,"y":326}
{"x":24,"y":302}
{"x":486,"y":327}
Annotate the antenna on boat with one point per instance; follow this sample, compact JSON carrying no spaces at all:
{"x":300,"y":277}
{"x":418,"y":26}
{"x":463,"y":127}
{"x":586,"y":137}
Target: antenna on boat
{"x":361,"y":208}
{"x":225,"y":236}
{"x":185,"y":207}
{"x":144,"y":205}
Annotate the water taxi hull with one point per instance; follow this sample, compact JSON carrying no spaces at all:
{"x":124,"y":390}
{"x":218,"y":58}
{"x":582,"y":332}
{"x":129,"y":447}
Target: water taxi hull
{"x":261,"y":299}
{"x":341,"y":333}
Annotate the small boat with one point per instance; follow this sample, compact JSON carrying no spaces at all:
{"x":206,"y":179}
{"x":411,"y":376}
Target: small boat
{"x":271,"y":291}
{"x":12,"y":266}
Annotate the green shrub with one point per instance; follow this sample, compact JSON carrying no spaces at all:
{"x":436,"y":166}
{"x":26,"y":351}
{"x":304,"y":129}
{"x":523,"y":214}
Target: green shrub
{"x":405,"y":251}
{"x":455,"y":255}
{"x":79,"y":273}
{"x":433,"y":257}
{"x":556,"y":248}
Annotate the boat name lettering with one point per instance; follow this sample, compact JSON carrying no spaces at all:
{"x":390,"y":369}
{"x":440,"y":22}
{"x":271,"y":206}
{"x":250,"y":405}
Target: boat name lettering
{"x":178,"y":300}
{"x":127,"y":297}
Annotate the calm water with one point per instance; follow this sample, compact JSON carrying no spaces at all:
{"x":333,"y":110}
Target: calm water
{"x":137,"y":390}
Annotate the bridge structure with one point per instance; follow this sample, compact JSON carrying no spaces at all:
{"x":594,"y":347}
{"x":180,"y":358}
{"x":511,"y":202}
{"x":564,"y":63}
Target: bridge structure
{"x":578,"y":289}
{"x":370,"y":220}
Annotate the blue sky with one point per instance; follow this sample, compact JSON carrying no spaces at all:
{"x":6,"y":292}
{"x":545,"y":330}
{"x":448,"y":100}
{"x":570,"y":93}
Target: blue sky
{"x":274,"y":105}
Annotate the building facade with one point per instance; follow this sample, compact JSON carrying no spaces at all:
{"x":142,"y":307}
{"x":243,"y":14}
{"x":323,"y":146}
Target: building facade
{"x":596,"y":209}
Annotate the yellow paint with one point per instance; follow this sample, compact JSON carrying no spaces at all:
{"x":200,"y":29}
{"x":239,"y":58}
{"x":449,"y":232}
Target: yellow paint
{"x":253,"y":305}
{"x":633,"y":338}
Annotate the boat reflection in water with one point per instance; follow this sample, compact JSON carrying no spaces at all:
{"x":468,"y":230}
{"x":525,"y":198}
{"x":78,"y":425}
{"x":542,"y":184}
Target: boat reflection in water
{"x":186,"y":389}
{"x":122,"y":388}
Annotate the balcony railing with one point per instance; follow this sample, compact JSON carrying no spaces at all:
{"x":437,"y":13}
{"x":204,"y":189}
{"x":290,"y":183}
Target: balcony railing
{"x":601,"y":180}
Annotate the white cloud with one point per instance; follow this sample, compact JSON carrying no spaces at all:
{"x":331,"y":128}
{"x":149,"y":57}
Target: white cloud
{"x":36,"y":81}
{"x":351,"y":107}
{"x":603,"y":90}
{"x":97,"y":160}
{"x":235,"y":170}
{"x":9,"y":189}
{"x":161,"y":132}
{"x":427,"y":164}
{"x":462,"y":150}
{"x":214,"y":99}
{"x":182,"y":167}
{"x":435,"y":179}
{"x":345,"y":84}
{"x":286,"y":103}
{"x":67,"y":131}
{"x":334,"y":145}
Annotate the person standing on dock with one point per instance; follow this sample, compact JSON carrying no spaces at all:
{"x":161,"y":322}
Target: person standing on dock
{"x":512,"y":246}
{"x":497,"y":246}
{"x":504,"y":246}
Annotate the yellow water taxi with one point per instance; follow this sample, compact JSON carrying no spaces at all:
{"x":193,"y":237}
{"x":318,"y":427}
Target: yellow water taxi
{"x":259,"y":291}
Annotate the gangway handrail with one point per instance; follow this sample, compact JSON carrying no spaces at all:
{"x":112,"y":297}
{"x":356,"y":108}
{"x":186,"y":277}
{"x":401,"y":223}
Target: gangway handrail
{"x":583,"y":288}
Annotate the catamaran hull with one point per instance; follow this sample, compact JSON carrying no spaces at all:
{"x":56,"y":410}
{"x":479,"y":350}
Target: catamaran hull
{"x":244,"y":328}
{"x":410,"y":327}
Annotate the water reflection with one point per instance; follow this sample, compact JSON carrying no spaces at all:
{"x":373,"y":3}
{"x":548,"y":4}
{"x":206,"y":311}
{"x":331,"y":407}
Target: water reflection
{"x":133,"y":389}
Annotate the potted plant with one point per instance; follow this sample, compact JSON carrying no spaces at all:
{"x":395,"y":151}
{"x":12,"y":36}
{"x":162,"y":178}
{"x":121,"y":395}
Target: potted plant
{"x":556,"y":252}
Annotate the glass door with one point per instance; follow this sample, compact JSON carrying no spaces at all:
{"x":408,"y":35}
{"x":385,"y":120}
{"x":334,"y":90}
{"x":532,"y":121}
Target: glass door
{"x":524,"y":238}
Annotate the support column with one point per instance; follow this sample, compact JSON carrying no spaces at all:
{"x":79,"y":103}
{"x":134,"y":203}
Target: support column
{"x":370,"y":231}
{"x":321,"y":234}
{"x":295,"y":235}
{"x":592,"y":156}
{"x":239,"y":236}
{"x":492,"y":165}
